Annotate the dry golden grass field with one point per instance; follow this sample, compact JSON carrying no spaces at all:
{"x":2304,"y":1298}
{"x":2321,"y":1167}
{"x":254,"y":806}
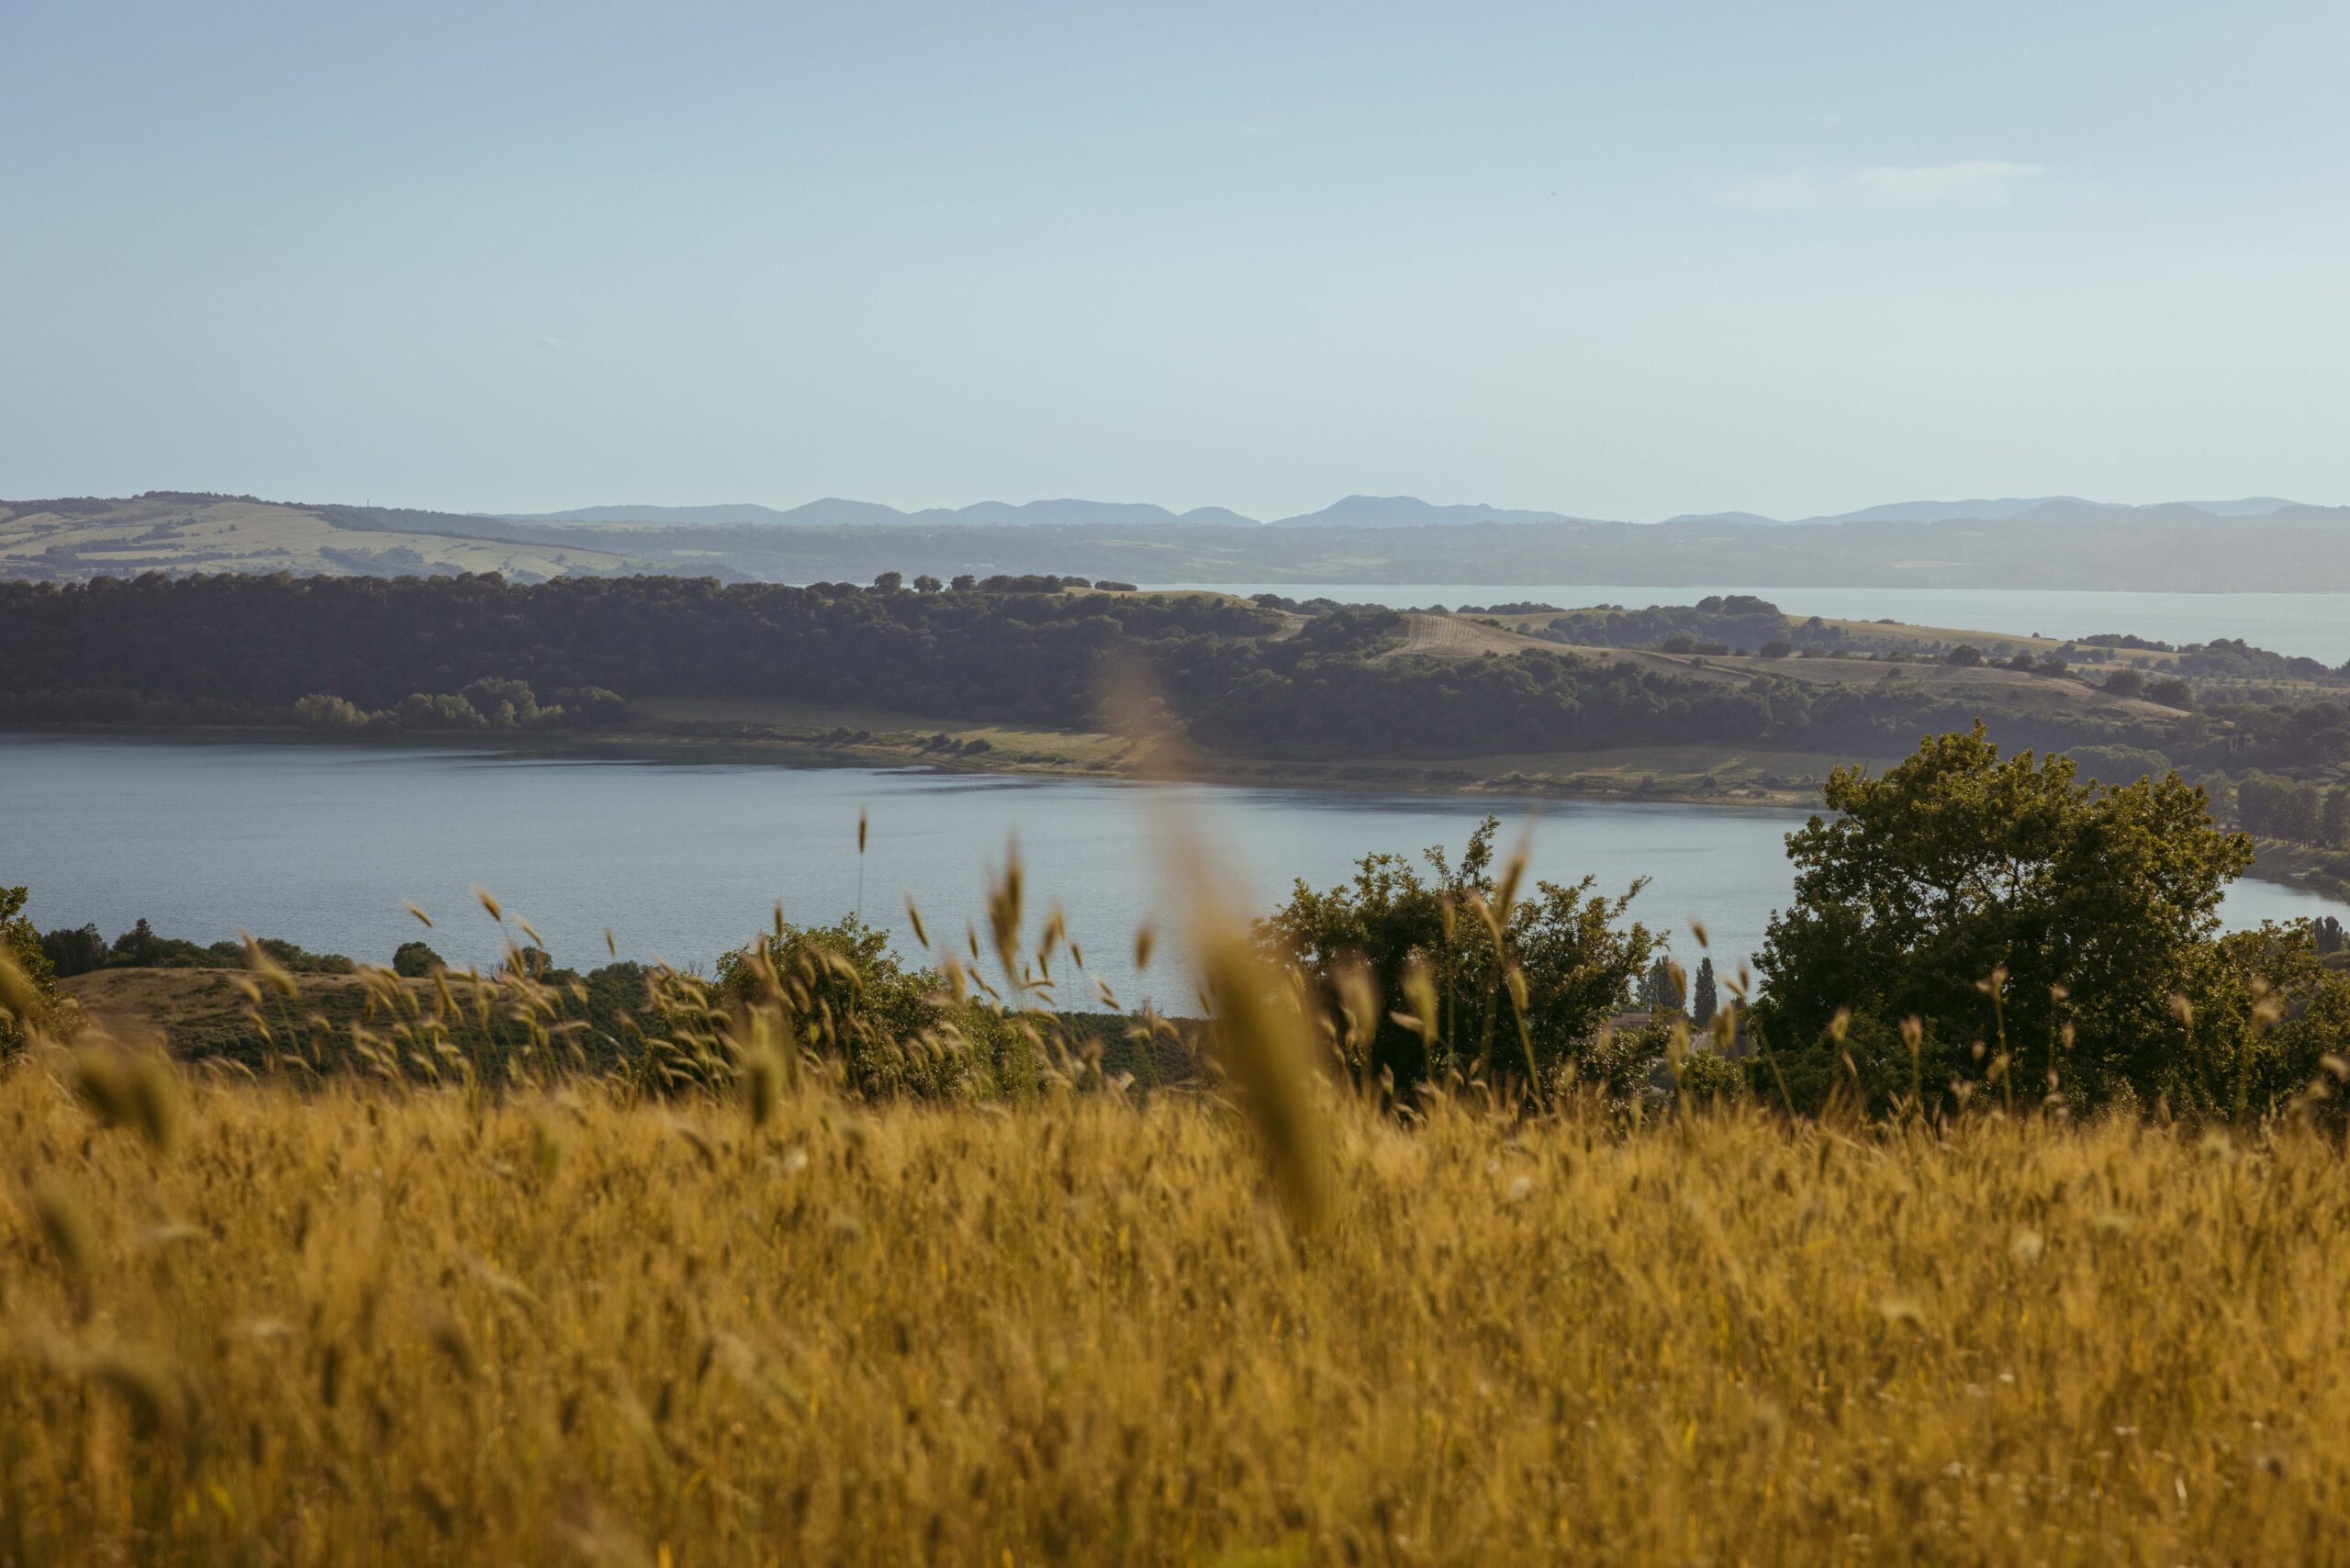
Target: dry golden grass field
{"x":383,"y":1326}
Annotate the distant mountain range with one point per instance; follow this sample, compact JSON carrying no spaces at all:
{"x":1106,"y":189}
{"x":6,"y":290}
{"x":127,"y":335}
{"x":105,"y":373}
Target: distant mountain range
{"x":2031,"y":509}
{"x":1410,"y":511}
{"x":834,"y":511}
{"x":2056,"y":541}
{"x":1382,"y":511}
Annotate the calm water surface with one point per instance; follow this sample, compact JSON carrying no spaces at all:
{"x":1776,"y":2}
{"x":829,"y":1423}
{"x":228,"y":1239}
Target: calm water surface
{"x":2312,"y":625}
{"x":321,"y":845}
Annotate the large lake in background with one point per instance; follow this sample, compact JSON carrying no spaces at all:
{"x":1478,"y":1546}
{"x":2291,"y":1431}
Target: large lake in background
{"x":2312,"y":625}
{"x":321,"y":845}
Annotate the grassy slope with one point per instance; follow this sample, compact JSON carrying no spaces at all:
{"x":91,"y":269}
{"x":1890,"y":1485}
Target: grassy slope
{"x":874,"y":736}
{"x":261,"y":536}
{"x":1657,"y":772}
{"x":372,"y":1328}
{"x":196,"y":1012}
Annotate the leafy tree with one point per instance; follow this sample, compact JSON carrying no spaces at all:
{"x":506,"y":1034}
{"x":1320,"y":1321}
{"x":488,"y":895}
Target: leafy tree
{"x":1661,"y":988}
{"x":889,"y":582}
{"x":965,"y":582}
{"x":1706,"y":1075}
{"x":73,"y":952}
{"x":1708,"y":999}
{"x":28,"y":985}
{"x":420,"y":710}
{"x":1392,"y":925}
{"x":1998,"y":902}
{"x":137,"y":949}
{"x":2329,"y":936}
{"x":415,"y":960}
{"x":927,"y":584}
{"x":2280,"y":807}
{"x":320,"y":712}
{"x":505,"y":704}
{"x":1967,"y":656}
{"x":2262,"y":1019}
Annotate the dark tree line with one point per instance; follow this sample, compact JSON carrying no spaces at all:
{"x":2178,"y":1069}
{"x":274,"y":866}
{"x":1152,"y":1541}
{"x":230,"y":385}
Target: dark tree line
{"x":227,"y":647}
{"x":479,"y":651}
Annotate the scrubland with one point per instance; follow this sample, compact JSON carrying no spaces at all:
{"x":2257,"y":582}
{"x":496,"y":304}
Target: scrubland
{"x":389,"y":1324}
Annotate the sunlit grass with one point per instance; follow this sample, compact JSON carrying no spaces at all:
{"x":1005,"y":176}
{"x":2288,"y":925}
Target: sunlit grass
{"x":380,"y":1325}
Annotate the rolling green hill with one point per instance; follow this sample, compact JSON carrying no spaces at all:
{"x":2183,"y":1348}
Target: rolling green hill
{"x":177,"y":533}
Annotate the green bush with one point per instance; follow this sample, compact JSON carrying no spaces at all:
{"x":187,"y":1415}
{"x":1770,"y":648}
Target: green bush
{"x":1708,"y":1075}
{"x":1392,"y":925}
{"x":27,"y":983}
{"x":844,"y":996}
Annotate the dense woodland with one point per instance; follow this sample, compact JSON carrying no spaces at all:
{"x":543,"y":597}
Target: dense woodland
{"x":377,"y":655}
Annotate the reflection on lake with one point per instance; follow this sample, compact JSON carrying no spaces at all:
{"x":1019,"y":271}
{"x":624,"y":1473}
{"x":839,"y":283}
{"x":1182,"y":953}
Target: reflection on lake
{"x":321,"y":845}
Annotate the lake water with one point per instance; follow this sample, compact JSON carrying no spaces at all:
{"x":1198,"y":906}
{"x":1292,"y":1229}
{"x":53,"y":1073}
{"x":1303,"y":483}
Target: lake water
{"x":2312,"y":625}
{"x":321,"y":845}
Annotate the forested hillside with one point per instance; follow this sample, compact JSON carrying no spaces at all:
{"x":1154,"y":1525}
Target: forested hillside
{"x":452,"y":652}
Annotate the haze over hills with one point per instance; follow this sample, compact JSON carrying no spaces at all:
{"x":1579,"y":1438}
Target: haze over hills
{"x":2040,"y":508}
{"x":834,"y":511}
{"x":1377,"y":511}
{"x":1410,"y":511}
{"x":2053,"y":543}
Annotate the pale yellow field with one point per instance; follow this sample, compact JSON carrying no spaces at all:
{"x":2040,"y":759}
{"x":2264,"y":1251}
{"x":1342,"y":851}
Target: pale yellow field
{"x":369,"y":1327}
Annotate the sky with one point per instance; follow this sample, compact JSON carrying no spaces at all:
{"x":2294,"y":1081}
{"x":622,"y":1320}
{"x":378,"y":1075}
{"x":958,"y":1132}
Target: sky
{"x":1615,"y":259}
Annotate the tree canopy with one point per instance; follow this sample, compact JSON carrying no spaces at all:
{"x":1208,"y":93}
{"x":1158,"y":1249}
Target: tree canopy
{"x":1438,"y":972}
{"x":1322,"y":682}
{"x":1996,"y":923}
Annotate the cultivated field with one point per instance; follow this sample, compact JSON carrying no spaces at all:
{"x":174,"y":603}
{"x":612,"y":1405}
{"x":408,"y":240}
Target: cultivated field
{"x":385,"y":1327}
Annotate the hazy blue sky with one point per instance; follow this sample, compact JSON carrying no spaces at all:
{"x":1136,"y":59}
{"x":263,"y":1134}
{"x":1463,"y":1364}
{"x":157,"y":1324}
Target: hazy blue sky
{"x":1618,"y":259}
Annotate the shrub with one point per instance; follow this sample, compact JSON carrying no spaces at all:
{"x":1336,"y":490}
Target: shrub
{"x":27,"y":983}
{"x":844,"y":994}
{"x":1494,"y":976}
{"x":1708,"y":1075}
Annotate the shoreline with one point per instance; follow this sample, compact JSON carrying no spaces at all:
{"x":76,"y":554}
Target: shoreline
{"x":1735,"y":780}
{"x":1595,"y":776}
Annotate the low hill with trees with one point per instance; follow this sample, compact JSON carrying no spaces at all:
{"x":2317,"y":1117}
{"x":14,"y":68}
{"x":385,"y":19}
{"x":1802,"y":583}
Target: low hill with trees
{"x":1225,"y":677}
